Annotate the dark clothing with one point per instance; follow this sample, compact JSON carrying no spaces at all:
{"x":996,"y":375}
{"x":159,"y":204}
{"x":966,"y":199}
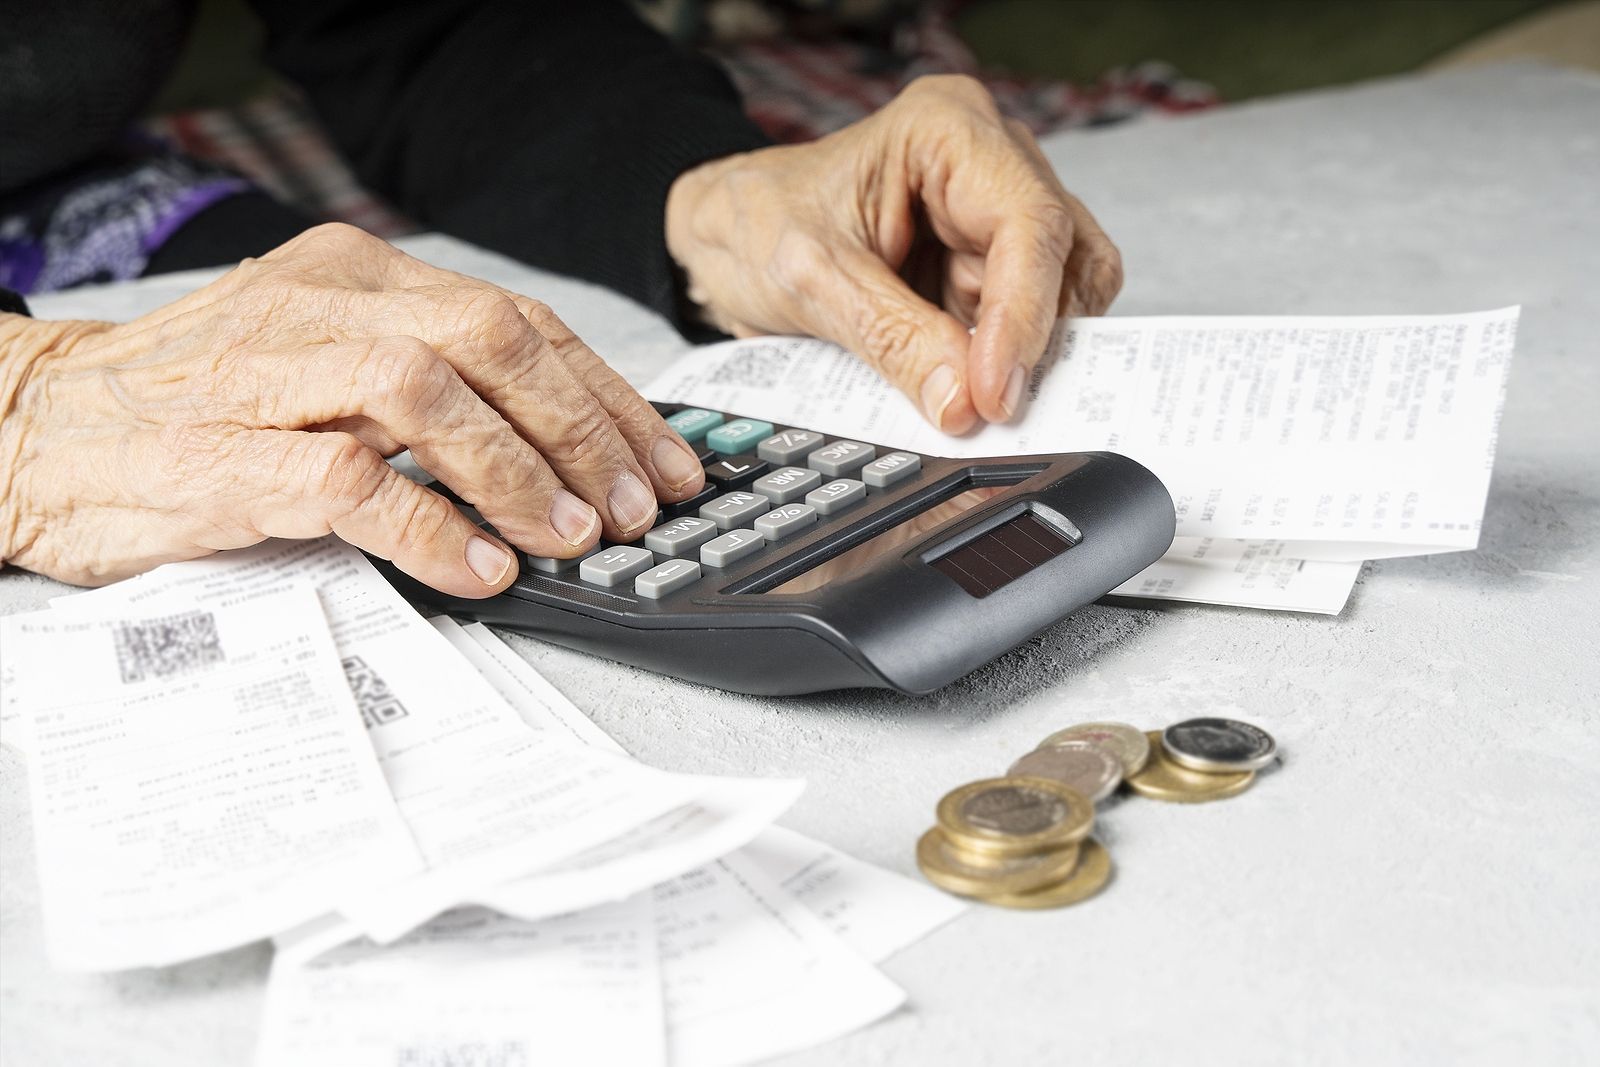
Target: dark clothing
{"x":548,"y":131}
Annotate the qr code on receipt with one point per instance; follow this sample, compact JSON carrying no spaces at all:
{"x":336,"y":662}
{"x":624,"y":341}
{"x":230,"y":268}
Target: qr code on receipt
{"x":376,"y":700}
{"x":465,"y":1054}
{"x":161,"y":648}
{"x":756,"y":366}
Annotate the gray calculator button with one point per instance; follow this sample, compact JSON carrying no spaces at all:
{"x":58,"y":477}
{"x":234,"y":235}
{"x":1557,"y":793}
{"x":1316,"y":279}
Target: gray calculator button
{"x":790,"y":446}
{"x":886,"y":470}
{"x":786,"y":521}
{"x":787,"y":485}
{"x":841,"y":457}
{"x":613,"y":566}
{"x":829,"y":498}
{"x":667,"y":578}
{"x":680,"y":537}
{"x":551,"y":565}
{"x":732,"y":510}
{"x":731,"y":546}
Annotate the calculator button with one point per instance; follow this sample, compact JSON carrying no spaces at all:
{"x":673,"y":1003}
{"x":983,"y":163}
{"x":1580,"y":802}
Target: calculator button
{"x":830,"y":498}
{"x":667,"y":578}
{"x":841,"y":457}
{"x":680,"y":537}
{"x":664,"y":409}
{"x":786,"y":521}
{"x":692,"y":505}
{"x":552,"y":565}
{"x":735,"y":509}
{"x":731,"y":546}
{"x":886,"y":470}
{"x":615,"y":565}
{"x":740,"y":435}
{"x":732,"y":472}
{"x":790,"y":446}
{"x":787,"y":485}
{"x":693,"y":423}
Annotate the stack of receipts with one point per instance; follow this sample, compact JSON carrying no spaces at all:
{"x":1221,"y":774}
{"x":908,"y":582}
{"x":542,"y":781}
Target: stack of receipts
{"x":455,"y":865}
{"x":1294,"y":448}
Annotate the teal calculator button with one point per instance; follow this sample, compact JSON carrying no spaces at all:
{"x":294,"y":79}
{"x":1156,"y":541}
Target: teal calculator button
{"x":692,"y":423}
{"x":740,"y":435}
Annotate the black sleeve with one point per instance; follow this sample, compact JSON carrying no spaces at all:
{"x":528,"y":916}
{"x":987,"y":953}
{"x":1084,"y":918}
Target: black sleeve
{"x":549,"y":131}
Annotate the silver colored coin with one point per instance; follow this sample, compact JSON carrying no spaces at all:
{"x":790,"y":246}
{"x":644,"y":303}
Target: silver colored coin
{"x":1081,"y":765}
{"x":1218,"y":745}
{"x":1125,"y":742}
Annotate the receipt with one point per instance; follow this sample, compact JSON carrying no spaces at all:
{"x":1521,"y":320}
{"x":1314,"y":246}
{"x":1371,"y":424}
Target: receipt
{"x":1251,"y":574}
{"x":473,"y":987}
{"x":1351,"y":438}
{"x":200,"y":777}
{"x":486,"y":797}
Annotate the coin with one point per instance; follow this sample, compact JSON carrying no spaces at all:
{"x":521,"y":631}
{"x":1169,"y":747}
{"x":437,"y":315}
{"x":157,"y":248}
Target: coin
{"x":1162,"y":779}
{"x":1118,"y":738}
{"x":1015,"y":816}
{"x":974,"y":874}
{"x":1083,"y":765}
{"x":1091,"y":875}
{"x":1213,"y":745}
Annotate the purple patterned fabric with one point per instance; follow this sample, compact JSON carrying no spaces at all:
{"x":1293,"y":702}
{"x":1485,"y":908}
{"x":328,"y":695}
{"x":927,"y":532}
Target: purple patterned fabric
{"x":104,"y":223}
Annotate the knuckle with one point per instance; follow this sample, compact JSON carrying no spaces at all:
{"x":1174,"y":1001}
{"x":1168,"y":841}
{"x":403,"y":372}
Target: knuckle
{"x":588,"y":433}
{"x":420,"y":518}
{"x":800,"y":262}
{"x":408,"y":374}
{"x":339,"y":468}
{"x":889,"y":337}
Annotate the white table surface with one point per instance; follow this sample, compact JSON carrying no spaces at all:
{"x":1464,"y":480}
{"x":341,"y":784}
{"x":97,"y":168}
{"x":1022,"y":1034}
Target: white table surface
{"x":1416,"y":884}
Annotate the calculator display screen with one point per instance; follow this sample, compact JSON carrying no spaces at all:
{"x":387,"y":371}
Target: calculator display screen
{"x":891,"y":540}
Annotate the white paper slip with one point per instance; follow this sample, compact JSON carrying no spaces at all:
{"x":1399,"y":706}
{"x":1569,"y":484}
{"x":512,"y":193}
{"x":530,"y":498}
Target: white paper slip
{"x":13,"y":724}
{"x":1248,"y":574}
{"x":475,"y":988}
{"x":750,"y":974}
{"x":1375,"y":433}
{"x":200,"y":778}
{"x":486,"y":798}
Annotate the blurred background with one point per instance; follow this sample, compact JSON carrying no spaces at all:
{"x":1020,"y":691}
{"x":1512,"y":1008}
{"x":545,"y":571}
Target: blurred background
{"x":809,"y":66}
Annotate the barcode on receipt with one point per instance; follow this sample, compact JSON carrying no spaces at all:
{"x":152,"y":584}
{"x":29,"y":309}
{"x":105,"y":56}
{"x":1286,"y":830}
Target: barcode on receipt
{"x":174,"y":644}
{"x":465,"y":1054}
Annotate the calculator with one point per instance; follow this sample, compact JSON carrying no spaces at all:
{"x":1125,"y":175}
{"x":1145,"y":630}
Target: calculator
{"x":812,"y":562}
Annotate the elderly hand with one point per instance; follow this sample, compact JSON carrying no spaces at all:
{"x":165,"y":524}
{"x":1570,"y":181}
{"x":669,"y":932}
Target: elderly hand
{"x":263,"y":405}
{"x":894,"y":235}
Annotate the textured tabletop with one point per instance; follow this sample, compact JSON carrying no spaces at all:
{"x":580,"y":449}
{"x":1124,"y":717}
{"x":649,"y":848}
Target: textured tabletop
{"x":1415,"y":884}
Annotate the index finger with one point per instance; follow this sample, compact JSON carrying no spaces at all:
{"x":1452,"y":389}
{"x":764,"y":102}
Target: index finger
{"x":1017,"y":309}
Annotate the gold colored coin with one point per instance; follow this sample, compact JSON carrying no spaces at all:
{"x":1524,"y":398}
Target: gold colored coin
{"x":1015,"y":816}
{"x":1091,"y":876}
{"x":967,"y":874}
{"x":1128,"y":744}
{"x":1162,"y":779}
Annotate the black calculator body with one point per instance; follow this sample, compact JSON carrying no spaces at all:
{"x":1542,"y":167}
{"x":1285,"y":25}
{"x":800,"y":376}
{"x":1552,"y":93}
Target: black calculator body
{"x":811,"y":563}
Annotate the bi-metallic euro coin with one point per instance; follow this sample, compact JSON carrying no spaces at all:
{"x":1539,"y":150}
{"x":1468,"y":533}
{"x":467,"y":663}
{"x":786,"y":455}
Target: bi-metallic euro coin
{"x":971,"y":874}
{"x":1081,"y":765}
{"x":1163,"y":779}
{"x":1118,"y":738}
{"x":1090,"y":876}
{"x":1015,"y":816}
{"x":1214,"y":745}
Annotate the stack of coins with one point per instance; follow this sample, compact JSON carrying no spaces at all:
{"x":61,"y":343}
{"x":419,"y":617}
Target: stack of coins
{"x":1023,"y":841}
{"x":1203,"y":759}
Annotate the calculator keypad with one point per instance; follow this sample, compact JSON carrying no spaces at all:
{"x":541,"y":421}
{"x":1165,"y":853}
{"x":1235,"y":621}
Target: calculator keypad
{"x":763,"y":486}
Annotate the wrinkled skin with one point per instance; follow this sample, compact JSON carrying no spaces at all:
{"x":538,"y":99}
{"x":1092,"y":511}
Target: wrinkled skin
{"x":264,"y":404}
{"x":892,"y":237}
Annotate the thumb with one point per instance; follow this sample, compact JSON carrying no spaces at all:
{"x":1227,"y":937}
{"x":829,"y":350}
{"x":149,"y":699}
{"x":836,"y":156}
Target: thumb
{"x":869,"y":309}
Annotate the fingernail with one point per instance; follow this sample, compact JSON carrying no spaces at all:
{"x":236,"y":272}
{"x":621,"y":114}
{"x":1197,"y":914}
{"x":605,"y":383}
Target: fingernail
{"x":676,"y":465}
{"x":939,"y":391}
{"x":572,"y":518}
{"x":1013,"y":392}
{"x":488,"y":560}
{"x":631,"y":502}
